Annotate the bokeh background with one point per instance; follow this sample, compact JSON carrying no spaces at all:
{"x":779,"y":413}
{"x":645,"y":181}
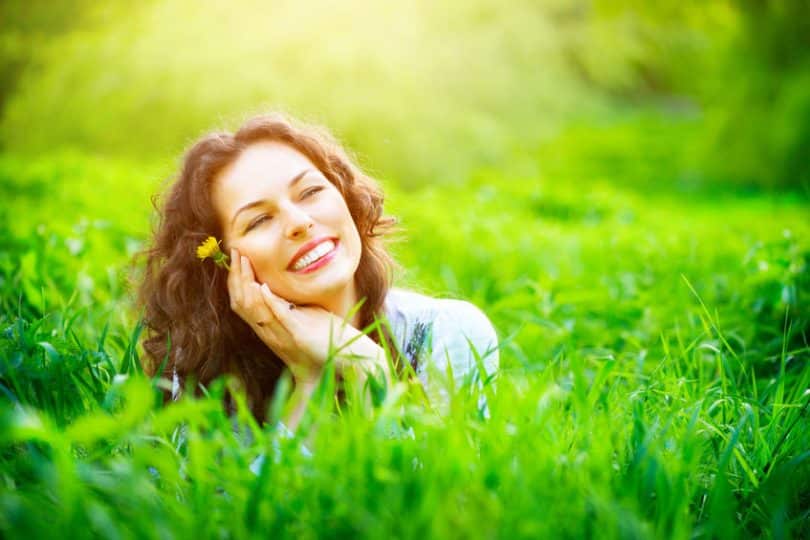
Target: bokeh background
{"x":425,"y":93}
{"x":621,"y":185}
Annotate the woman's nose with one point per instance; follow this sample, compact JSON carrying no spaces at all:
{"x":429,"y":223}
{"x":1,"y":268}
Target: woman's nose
{"x":298,"y":222}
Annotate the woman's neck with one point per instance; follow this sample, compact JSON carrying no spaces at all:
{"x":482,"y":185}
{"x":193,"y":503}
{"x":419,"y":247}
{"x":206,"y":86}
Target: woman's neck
{"x":343,"y":303}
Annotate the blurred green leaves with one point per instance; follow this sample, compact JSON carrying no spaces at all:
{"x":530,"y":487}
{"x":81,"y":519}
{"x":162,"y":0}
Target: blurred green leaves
{"x":422,"y":92}
{"x":653,"y":314}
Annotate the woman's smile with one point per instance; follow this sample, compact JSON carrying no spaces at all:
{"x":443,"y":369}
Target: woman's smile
{"x":313,"y":255}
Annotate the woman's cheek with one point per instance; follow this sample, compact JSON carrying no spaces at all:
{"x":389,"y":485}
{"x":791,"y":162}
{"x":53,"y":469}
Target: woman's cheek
{"x":265,"y":271}
{"x":259,"y":260}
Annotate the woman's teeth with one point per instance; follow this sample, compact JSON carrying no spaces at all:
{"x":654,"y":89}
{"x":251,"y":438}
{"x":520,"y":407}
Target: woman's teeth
{"x":314,"y":254}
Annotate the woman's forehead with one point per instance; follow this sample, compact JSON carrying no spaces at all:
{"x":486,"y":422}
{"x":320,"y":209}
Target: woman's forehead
{"x":262,"y":170}
{"x":264,"y":164}
{"x":262,"y":173}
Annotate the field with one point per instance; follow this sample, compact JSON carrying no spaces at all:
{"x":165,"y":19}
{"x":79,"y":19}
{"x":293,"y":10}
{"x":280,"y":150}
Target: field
{"x":654,"y":374}
{"x":648,"y":277}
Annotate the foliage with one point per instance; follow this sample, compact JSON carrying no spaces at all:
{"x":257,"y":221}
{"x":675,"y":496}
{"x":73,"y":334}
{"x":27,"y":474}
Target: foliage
{"x":423,"y":93}
{"x":617,"y":184}
{"x":761,"y":134}
{"x":743,"y":64}
{"x":654,"y":376}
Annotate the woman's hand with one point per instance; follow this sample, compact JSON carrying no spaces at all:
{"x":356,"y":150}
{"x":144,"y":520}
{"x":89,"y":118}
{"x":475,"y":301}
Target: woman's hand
{"x":299,"y":335}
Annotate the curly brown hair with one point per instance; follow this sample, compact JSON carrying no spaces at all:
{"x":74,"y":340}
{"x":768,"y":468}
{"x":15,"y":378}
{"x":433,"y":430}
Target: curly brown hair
{"x":190,"y":327}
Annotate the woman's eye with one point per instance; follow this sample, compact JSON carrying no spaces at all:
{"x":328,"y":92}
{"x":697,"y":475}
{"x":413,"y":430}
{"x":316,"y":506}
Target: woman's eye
{"x":311,"y":191}
{"x":258,"y":221}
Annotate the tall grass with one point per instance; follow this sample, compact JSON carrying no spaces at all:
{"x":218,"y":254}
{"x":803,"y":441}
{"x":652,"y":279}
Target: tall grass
{"x":654,"y":377}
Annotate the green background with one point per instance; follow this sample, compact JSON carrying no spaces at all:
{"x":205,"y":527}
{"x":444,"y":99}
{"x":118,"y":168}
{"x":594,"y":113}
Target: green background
{"x":622,"y":187}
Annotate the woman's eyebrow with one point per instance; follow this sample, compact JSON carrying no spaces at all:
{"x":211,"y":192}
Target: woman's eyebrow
{"x":252,"y":204}
{"x":298,"y":177}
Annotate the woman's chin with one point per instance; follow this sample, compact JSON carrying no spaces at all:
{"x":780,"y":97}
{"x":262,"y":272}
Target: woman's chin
{"x":319,"y":292}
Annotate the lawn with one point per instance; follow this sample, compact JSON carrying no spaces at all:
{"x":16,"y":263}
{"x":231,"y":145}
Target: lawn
{"x":654,"y":366}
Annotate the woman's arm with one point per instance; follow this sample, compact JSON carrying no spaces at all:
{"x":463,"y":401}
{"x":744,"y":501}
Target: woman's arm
{"x":362,"y":358}
{"x":297,"y":404}
{"x":359,"y":359}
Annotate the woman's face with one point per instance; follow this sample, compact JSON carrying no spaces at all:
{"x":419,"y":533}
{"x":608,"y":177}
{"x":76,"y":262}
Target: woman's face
{"x":293,"y":224}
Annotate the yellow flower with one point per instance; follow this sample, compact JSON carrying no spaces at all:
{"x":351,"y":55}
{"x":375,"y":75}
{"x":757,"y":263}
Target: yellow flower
{"x":209,"y":249}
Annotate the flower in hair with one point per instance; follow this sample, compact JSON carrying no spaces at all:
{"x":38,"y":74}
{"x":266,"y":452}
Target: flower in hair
{"x":209,"y":249}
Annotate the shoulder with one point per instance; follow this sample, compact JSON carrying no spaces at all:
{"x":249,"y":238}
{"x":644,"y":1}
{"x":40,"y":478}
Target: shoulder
{"x":454,"y":330}
{"x":401,"y":304}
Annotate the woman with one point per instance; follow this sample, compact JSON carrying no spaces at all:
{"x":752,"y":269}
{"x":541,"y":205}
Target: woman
{"x":302,"y":227}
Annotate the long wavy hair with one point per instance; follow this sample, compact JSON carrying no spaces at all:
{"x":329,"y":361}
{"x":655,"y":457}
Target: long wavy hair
{"x":190,"y":329}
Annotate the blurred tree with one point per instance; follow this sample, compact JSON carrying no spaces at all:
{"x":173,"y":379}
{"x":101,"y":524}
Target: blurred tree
{"x":763,"y":93}
{"x":24,"y":26}
{"x":488,"y":84}
{"x":746,"y":62}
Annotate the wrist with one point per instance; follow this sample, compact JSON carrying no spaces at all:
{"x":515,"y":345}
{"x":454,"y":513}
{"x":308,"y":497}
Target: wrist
{"x":366,"y":359}
{"x":307,"y":383}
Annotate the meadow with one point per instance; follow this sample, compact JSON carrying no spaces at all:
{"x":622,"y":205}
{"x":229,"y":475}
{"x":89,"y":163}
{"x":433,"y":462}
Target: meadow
{"x":653,"y":314}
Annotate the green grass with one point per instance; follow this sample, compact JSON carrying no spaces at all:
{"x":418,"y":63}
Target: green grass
{"x":654,"y":377}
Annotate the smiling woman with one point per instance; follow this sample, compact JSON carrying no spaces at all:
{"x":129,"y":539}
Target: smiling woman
{"x":303,"y":228}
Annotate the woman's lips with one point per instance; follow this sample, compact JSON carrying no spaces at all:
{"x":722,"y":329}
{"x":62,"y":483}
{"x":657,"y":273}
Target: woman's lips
{"x":320,"y":251}
{"x":306,"y":248}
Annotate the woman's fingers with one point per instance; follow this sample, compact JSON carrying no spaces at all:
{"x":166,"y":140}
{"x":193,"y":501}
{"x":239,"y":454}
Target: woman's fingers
{"x":277,"y":304}
{"x":246,"y":270}
{"x":234,"y":280}
{"x":246,"y":300}
{"x":252,"y":299}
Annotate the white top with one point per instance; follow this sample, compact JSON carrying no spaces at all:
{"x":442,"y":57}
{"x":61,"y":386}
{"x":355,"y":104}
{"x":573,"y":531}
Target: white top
{"x":440,"y":333}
